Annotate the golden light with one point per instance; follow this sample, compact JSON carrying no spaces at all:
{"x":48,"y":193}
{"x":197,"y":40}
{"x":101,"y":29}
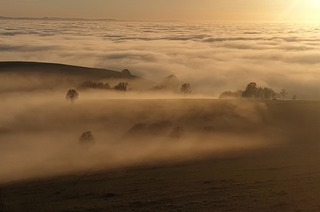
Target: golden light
{"x":302,"y":11}
{"x":315,"y":3}
{"x":312,"y":11}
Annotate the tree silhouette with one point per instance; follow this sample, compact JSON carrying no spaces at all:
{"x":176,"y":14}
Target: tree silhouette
{"x":251,"y":90}
{"x":268,"y":93}
{"x":186,"y":88}
{"x":254,"y":92}
{"x":283,"y":93}
{"x":122,"y":86}
{"x":95,"y":85}
{"x":72,"y":95}
{"x":87,"y":138}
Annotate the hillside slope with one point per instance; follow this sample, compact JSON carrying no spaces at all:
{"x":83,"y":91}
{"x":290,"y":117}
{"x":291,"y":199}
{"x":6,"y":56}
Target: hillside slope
{"x":31,"y":76}
{"x":62,"y":69}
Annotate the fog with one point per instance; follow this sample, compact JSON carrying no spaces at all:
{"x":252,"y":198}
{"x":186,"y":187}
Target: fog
{"x":40,"y":131}
{"x":212,"y":57}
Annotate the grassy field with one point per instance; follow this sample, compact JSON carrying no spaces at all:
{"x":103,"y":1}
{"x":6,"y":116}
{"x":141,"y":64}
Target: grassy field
{"x":231,"y":156}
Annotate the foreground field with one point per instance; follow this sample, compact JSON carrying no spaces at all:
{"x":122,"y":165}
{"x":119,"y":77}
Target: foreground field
{"x":248,"y":183}
{"x":231,"y":156}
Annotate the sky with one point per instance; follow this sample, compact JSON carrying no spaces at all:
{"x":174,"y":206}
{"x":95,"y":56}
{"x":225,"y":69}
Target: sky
{"x":181,"y":10}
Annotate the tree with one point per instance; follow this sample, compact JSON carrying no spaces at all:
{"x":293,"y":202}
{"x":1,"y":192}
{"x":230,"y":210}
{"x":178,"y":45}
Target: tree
{"x":268,"y":93}
{"x":251,"y":90}
{"x":72,"y":95}
{"x":186,"y":88}
{"x":254,"y":92}
{"x":283,"y":93}
{"x":122,"y":86}
{"x":87,"y":138}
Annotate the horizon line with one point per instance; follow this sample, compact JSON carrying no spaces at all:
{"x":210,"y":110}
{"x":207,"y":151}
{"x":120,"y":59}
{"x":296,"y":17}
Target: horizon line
{"x":54,"y":18}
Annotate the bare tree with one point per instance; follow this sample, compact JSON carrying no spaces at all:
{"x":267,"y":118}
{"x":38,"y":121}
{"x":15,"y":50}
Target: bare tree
{"x":186,"y":88}
{"x":72,"y":95}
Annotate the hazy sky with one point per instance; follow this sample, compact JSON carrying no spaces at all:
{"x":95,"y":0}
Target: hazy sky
{"x":185,"y":10}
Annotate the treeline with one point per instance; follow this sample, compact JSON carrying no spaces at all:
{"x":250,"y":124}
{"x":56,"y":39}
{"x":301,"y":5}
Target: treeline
{"x":252,"y":91}
{"x":169,"y":83}
{"x":172,"y":84}
{"x":121,"y":86}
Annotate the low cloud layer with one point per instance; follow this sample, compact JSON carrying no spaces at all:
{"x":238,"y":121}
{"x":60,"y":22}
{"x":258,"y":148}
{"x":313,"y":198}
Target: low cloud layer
{"x":212,"y":57}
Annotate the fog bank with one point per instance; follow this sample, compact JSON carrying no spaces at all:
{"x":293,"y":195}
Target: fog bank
{"x":212,"y":57}
{"x":40,"y":131}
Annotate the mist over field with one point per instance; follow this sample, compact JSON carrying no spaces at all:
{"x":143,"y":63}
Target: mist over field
{"x":212,"y":57}
{"x":161,"y":116}
{"x":40,"y":131}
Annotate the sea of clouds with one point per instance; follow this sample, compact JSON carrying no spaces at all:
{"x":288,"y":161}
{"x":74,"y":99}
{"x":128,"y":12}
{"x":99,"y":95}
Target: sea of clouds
{"x":212,"y":57}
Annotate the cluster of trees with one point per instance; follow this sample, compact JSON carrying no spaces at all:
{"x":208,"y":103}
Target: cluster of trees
{"x":122,"y":86}
{"x":252,"y":91}
{"x":95,"y":85}
{"x":171,"y":83}
{"x":73,"y":94}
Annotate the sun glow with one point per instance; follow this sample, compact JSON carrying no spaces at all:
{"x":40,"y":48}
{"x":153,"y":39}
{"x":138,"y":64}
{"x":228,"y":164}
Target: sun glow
{"x":306,"y":11}
{"x":312,"y":11}
{"x":315,"y":3}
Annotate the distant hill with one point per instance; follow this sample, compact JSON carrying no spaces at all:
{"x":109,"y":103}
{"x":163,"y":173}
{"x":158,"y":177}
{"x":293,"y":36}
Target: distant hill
{"x":23,"y":76}
{"x":39,"y":68}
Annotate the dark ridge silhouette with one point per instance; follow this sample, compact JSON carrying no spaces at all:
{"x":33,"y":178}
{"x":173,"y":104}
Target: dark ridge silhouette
{"x":41,"y":68}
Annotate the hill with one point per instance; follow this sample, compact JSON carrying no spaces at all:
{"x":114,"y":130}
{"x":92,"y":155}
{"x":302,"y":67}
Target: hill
{"x":62,"y":69}
{"x":27,"y":76}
